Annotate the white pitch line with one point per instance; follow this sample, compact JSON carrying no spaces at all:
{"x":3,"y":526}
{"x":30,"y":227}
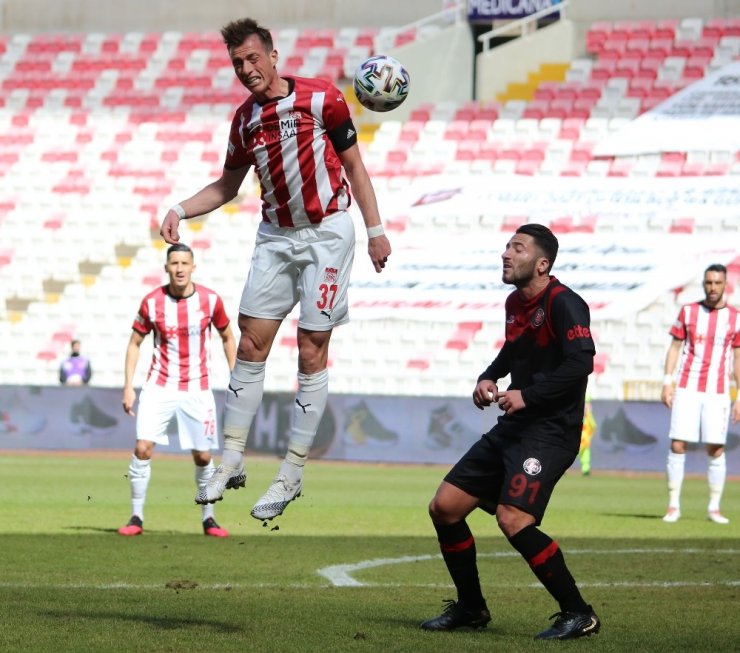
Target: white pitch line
{"x":342,"y":575}
{"x":151,"y":586}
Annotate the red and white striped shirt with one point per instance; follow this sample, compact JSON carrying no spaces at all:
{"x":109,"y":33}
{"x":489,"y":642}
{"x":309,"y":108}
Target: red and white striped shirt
{"x":301,"y":177}
{"x":709,"y":335}
{"x":182,"y":336}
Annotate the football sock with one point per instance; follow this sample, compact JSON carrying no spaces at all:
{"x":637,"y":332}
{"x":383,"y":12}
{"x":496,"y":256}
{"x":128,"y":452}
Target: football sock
{"x":457,"y":545}
{"x":674,"y":468}
{"x":716,"y":474}
{"x":139,"y":473}
{"x":202,"y":476}
{"x":243,"y":398}
{"x":308,"y":409}
{"x":547,"y":562}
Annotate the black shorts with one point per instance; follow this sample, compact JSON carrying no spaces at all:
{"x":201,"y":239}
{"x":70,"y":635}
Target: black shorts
{"x":512,"y":471}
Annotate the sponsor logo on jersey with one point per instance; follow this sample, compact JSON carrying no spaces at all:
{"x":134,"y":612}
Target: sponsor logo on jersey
{"x":538,"y":319}
{"x":172,"y":332}
{"x":578,"y":331}
{"x":330,"y":275}
{"x":532,"y":466}
{"x":350,"y":133}
{"x":510,"y":319}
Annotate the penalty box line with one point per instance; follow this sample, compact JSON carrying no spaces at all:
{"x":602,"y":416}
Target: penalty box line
{"x":343,"y":575}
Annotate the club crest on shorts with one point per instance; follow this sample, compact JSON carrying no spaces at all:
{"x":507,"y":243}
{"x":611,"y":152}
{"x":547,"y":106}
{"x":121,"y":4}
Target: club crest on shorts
{"x":539,"y":317}
{"x":330,"y":275}
{"x":532,"y":466}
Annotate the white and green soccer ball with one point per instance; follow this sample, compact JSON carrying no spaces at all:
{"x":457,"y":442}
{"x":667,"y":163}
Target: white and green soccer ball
{"x":381,"y":83}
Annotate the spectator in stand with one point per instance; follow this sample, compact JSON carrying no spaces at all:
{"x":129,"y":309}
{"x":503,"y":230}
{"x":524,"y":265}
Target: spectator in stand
{"x":76,"y":368}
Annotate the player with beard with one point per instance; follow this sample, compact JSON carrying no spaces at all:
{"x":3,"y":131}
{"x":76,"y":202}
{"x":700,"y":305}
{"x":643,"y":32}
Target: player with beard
{"x":702,"y":337}
{"x":512,"y":470}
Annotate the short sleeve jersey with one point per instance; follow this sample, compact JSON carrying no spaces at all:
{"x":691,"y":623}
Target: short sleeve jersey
{"x":709,"y":336}
{"x":287,"y":140}
{"x":182,"y":336}
{"x":540,"y":333}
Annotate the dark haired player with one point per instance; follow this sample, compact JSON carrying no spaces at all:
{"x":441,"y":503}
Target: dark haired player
{"x":513,"y":469}
{"x":298,"y":136}
{"x":181,"y":315}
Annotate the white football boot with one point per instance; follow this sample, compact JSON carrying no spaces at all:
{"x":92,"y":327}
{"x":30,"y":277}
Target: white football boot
{"x":672,"y":515}
{"x":717,"y":517}
{"x":273,"y":502}
{"x":224,"y":478}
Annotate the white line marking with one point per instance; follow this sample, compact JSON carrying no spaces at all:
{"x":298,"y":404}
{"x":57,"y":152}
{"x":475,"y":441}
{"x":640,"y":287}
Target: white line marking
{"x":342,"y":575}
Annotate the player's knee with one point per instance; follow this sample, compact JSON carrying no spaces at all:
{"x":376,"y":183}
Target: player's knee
{"x":678,"y":446}
{"x":442,"y":513}
{"x":715,"y":450}
{"x":143,"y":450}
{"x":201,"y":458}
{"x":511,"y":520}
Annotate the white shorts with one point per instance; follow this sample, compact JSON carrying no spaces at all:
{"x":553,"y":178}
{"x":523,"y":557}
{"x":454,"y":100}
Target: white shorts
{"x":195,"y":413}
{"x":699,"y":417}
{"x":310,"y":265}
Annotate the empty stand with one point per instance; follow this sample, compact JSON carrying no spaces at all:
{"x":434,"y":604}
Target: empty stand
{"x":99,"y":133}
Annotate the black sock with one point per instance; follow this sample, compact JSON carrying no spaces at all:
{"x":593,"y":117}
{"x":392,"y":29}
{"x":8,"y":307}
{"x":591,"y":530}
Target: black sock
{"x":545,"y":558}
{"x":458,"y":551}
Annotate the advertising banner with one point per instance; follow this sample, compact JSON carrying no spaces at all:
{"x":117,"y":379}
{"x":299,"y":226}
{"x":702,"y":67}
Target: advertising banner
{"x":630,"y":436}
{"x":488,"y":10}
{"x":704,"y":116}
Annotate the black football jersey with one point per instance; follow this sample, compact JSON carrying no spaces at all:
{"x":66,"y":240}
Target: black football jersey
{"x":548,"y":352}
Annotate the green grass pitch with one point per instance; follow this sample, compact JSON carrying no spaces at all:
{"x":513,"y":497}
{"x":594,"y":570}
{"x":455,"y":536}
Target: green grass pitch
{"x":353,"y":565}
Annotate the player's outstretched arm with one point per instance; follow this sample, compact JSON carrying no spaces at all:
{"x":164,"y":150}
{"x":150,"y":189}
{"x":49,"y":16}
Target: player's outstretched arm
{"x":378,"y":246}
{"x":208,"y":199}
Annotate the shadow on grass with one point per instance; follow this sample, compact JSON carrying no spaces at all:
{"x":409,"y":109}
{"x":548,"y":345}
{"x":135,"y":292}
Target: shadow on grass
{"x":162,"y":623}
{"x":631,"y":515}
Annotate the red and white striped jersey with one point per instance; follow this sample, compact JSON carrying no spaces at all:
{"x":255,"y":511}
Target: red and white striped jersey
{"x":182,"y":336}
{"x":709,"y":336}
{"x":300,"y":174}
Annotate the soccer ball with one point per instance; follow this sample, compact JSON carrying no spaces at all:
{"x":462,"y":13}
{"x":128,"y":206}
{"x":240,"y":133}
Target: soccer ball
{"x":381,"y":83}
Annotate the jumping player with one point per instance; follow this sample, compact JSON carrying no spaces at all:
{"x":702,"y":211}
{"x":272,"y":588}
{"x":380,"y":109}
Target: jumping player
{"x":298,"y":135}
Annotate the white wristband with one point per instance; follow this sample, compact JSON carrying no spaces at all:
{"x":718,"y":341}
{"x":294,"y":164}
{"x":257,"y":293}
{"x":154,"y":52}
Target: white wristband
{"x":179,"y":210}
{"x":374,"y":232}
{"x":668,"y":379}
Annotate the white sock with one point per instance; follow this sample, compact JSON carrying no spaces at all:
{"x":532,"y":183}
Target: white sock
{"x":139,"y":473}
{"x":243,"y":398}
{"x":202,"y":476}
{"x":716,"y":474}
{"x":674,"y":467}
{"x":308,"y":409}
